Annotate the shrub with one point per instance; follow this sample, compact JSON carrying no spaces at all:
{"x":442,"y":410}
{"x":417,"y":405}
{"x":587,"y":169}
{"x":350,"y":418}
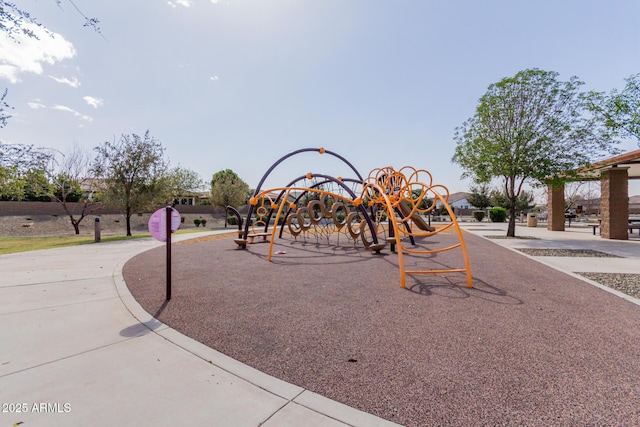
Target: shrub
{"x":497,"y":214}
{"x":196,"y":222}
{"x":232,"y":220}
{"x":203,"y":222}
{"x":478,"y":215}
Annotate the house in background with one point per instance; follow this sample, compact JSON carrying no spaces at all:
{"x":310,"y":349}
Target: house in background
{"x":587,"y":206}
{"x":458,"y":200}
{"x":592,"y":206}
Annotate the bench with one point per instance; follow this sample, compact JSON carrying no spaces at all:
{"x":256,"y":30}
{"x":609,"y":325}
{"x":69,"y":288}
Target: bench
{"x":254,"y":235}
{"x":632,"y":226}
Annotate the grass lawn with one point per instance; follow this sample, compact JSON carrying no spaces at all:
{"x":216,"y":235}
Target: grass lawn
{"x":10,"y":245}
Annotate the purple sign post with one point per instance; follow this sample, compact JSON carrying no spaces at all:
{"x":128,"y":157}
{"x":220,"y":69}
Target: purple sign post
{"x":162,"y":223}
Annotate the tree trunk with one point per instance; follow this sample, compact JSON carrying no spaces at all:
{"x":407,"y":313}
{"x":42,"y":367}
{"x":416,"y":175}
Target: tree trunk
{"x":512,"y":196}
{"x":128,"y":220}
{"x":76,"y":224}
{"x":511,"y":230}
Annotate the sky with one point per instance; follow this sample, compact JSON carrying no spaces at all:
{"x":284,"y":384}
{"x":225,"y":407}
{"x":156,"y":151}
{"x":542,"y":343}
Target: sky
{"x":238,"y":84}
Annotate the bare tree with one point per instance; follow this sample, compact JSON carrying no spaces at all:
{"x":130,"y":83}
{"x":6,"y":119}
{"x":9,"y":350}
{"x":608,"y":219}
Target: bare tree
{"x":591,"y":196}
{"x":66,"y":185}
{"x":4,"y":114}
{"x":572,"y":193}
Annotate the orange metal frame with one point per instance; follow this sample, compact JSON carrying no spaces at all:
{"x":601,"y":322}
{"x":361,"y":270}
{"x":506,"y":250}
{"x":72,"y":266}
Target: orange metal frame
{"x":388,"y":188}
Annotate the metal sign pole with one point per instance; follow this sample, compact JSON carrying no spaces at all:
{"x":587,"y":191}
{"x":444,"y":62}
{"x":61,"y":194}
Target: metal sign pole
{"x":168,"y":224}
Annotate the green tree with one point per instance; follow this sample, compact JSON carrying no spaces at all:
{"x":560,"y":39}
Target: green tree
{"x":182,"y":182}
{"x":530,"y":127}
{"x":498,"y":199}
{"x":426,"y":201}
{"x":36,"y":186}
{"x":479,"y":196}
{"x":132,"y":174}
{"x":525,"y":201}
{"x":619,"y":111}
{"x":21,"y":170}
{"x":11,"y":185}
{"x":228,"y":189}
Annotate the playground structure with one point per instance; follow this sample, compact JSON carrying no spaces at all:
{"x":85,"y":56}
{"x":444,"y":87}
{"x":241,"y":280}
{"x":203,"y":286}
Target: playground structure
{"x":387,"y":207}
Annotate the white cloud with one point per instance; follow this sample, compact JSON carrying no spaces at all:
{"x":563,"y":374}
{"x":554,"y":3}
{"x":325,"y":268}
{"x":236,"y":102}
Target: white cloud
{"x":214,"y":78}
{"x":94,"y":102}
{"x":185,"y":3}
{"x":71,"y":82}
{"x":72,"y":111}
{"x":27,"y":55}
{"x":35,"y":105}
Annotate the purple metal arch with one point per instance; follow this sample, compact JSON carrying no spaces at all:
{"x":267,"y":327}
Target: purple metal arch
{"x":304,"y":150}
{"x":327,"y":178}
{"x":282,"y":159}
{"x":237,"y":214}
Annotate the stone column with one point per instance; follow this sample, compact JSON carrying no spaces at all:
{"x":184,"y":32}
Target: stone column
{"x":555,"y":208}
{"x":614,"y":204}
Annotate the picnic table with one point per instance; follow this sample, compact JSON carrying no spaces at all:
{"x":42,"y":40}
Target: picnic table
{"x":634,"y":224}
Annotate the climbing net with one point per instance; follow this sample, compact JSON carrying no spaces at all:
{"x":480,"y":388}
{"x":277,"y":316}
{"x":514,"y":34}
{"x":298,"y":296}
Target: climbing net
{"x":389,"y":207}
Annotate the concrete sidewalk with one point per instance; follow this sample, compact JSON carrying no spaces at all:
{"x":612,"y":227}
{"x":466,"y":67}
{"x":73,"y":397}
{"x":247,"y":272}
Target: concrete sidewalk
{"x":579,"y":236}
{"x":77,"y":350}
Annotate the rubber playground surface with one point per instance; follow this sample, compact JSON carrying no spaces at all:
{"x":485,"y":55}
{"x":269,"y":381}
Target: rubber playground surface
{"x":528,"y":345}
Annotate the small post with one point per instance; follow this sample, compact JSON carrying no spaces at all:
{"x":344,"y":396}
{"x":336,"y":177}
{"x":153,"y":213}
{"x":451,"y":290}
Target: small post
{"x":96,"y":228}
{"x":168,"y":225}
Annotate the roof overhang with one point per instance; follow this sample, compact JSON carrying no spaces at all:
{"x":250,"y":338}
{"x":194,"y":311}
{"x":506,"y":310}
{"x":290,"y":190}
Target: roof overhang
{"x":629,"y":161}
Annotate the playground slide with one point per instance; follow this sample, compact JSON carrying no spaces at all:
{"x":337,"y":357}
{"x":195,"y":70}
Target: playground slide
{"x":416,"y":218}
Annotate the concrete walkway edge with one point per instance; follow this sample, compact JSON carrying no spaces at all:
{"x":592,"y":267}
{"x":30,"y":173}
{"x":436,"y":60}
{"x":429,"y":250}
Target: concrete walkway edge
{"x":577,"y":237}
{"x":77,"y":349}
{"x":293,"y":394}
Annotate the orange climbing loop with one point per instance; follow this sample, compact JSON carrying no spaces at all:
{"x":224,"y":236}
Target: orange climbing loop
{"x":397,"y":196}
